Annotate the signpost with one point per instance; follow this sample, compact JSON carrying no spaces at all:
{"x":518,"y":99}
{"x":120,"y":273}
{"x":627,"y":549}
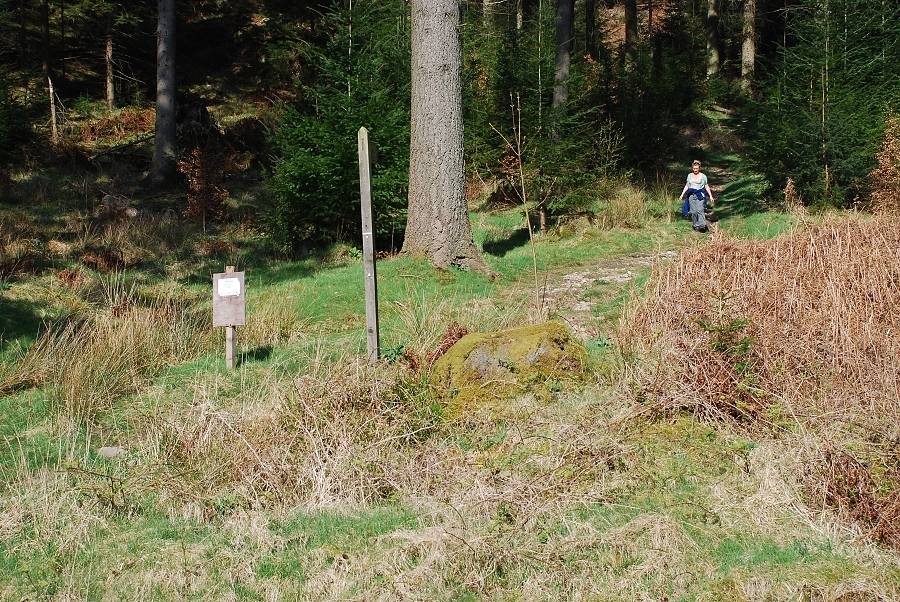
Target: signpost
{"x":229,"y":307}
{"x":365,"y":194}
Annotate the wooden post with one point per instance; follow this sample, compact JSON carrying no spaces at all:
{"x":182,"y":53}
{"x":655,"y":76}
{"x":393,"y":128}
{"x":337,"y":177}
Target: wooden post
{"x":365,"y":194}
{"x":229,"y":347}
{"x":229,"y":334}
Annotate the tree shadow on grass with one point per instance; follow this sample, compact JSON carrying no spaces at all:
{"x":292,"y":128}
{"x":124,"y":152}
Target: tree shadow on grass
{"x":741,"y":197}
{"x":18,"y":320}
{"x":499,"y":248}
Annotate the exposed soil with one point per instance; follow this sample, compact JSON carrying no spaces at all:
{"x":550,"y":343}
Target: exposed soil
{"x":565,"y":294}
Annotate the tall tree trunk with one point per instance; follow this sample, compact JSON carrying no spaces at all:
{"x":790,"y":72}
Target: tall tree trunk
{"x":163,"y":168}
{"x":657,"y":56}
{"x":62,"y":37}
{"x":45,"y":64}
{"x":110,"y":82}
{"x":631,"y":31}
{"x":713,"y":43}
{"x":20,"y":37}
{"x":438,"y":221}
{"x":565,"y":12}
{"x":590,"y":28}
{"x":520,"y":14}
{"x":748,"y":49}
{"x":45,"y":38}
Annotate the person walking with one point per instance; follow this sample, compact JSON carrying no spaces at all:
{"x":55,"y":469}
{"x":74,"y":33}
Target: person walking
{"x":695,"y":195}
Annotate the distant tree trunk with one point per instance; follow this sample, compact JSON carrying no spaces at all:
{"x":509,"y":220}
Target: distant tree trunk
{"x":20,"y":13}
{"x":45,"y":37}
{"x":438,"y":221}
{"x":748,"y":49}
{"x":62,"y":37}
{"x":45,"y":64}
{"x":631,"y":31}
{"x":163,"y":168}
{"x":713,"y":43}
{"x":565,"y":35}
{"x":110,"y":82}
{"x":520,"y":14}
{"x":657,"y":56}
{"x":565,"y":10}
{"x":590,"y":28}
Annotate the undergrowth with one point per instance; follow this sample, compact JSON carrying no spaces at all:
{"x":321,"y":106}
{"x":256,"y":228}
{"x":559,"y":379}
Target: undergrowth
{"x":796,"y":337}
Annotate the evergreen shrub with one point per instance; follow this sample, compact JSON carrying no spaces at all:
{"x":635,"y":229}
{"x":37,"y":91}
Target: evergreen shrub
{"x":6,"y":121}
{"x":823,"y":105}
{"x":366,"y":83}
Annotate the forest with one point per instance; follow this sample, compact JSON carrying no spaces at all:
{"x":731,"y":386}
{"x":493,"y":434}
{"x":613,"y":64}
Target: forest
{"x":638,"y":300}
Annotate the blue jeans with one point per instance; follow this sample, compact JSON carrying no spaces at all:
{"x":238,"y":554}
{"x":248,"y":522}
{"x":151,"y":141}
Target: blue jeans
{"x":696,"y":207}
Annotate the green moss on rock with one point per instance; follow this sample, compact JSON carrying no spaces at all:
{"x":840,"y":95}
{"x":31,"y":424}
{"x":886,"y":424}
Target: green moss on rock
{"x":484,"y":369}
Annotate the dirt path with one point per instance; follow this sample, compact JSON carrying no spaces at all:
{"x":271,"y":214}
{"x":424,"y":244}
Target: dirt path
{"x":586,"y":299}
{"x":570,"y":297}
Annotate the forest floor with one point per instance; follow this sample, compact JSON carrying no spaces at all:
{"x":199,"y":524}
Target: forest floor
{"x":134,"y":466}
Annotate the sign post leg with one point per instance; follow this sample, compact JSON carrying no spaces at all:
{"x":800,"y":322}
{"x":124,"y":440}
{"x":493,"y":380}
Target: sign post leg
{"x":229,"y":347}
{"x":229,"y":334}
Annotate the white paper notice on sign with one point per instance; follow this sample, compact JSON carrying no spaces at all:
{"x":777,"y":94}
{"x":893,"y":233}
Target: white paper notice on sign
{"x":229,"y":287}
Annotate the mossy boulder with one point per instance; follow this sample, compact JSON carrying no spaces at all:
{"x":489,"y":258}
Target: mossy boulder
{"x":484,"y":369}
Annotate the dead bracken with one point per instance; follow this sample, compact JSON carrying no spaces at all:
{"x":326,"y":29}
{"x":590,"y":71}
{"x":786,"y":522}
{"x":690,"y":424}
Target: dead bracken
{"x":800,"y":333}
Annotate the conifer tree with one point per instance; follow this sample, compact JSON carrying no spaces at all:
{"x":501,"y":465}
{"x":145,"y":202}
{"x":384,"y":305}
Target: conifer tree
{"x":825,"y":103}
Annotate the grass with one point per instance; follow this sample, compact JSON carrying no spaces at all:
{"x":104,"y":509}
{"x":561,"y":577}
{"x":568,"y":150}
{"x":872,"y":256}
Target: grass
{"x":306,"y":474}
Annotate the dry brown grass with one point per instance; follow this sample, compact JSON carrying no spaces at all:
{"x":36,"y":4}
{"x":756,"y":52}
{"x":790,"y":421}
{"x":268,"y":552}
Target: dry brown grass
{"x":21,"y":249}
{"x":849,"y":486}
{"x":885,"y":179}
{"x":86,"y":365}
{"x":797,"y":334}
{"x":119,"y":125}
{"x":812,"y":316}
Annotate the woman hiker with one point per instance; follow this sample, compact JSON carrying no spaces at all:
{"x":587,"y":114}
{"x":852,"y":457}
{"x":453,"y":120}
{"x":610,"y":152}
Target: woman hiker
{"x":695,"y":195}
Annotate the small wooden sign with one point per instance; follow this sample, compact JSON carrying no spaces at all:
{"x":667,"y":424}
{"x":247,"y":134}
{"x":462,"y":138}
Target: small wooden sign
{"x":229,"y":299}
{"x":229,"y":308}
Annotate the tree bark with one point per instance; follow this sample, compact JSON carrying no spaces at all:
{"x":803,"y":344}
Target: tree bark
{"x":437,"y":224}
{"x":520,"y":14}
{"x":45,"y":37}
{"x":45,"y":65}
{"x":590,"y":28}
{"x":713,"y":43}
{"x":62,"y":37}
{"x":20,"y":14}
{"x":748,"y":49}
{"x":164,"y":156}
{"x":631,"y":31}
{"x":110,"y":82}
{"x":565,"y":13}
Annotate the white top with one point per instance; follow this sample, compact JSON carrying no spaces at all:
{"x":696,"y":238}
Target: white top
{"x":698,"y":181}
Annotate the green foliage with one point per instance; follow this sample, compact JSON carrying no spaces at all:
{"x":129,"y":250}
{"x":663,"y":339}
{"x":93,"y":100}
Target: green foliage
{"x":508,"y":79}
{"x":316,"y":178}
{"x":6,"y":119}
{"x":822,"y":113}
{"x":13,"y":127}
